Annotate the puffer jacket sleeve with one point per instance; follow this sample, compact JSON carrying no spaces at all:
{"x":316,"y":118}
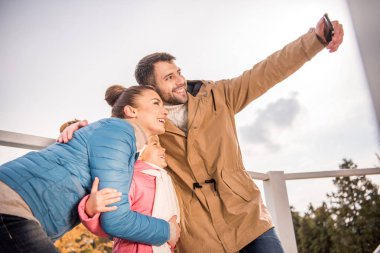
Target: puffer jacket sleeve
{"x":112,"y":157}
{"x":240,"y":91}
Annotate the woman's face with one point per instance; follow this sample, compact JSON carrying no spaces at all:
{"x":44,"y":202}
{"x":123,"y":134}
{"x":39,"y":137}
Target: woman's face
{"x":154,"y":153}
{"x":150,"y":113}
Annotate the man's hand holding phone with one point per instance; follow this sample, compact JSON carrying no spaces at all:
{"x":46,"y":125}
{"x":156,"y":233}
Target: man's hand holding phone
{"x":330,"y":32}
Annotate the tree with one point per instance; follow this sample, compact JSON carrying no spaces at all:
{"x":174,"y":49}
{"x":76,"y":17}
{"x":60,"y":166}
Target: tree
{"x":314,"y":231}
{"x":297,"y":219}
{"x":79,"y":239}
{"x":356,"y":211}
{"x":349,"y":223}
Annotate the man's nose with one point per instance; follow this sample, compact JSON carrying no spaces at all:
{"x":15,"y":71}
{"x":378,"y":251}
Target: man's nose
{"x":180,"y":80}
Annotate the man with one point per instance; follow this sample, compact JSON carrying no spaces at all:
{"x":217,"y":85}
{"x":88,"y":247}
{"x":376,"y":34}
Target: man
{"x":221,"y":207}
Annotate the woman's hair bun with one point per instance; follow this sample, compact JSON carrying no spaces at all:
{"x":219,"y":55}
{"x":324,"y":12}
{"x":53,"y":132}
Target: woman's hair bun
{"x":113,"y":93}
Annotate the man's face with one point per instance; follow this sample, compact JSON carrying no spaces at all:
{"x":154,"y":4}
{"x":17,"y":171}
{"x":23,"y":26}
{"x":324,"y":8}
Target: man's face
{"x":170,"y":83}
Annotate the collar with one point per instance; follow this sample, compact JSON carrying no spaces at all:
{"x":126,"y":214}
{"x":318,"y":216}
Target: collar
{"x":141,"y":137}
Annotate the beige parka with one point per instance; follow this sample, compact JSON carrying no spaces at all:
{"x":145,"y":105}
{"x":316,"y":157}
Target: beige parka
{"x":221,"y":207}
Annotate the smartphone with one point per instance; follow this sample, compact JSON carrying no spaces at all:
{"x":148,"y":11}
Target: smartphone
{"x":328,"y":30}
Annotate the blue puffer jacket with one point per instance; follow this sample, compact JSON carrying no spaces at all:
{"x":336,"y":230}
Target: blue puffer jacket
{"x":52,"y":181}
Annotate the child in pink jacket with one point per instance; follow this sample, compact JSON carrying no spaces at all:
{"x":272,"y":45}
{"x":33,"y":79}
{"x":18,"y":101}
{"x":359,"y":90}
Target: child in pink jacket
{"x":151,"y":193}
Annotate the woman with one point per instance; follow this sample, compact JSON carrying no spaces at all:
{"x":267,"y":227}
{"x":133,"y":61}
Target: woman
{"x":39,"y":191}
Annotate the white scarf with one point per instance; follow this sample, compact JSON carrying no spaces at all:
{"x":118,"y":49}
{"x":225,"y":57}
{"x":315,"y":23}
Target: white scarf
{"x":165,"y":201}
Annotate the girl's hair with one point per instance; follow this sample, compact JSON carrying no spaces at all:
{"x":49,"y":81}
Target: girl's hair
{"x":117,"y":96}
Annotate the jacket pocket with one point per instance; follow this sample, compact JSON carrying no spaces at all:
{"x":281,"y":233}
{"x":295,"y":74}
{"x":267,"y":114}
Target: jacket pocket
{"x":240,"y":183}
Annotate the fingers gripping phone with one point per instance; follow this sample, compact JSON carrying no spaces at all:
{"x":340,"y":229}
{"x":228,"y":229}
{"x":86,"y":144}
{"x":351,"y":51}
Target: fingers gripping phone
{"x":328,"y":30}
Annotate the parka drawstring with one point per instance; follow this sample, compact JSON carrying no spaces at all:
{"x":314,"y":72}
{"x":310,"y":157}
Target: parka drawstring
{"x":213,"y":100}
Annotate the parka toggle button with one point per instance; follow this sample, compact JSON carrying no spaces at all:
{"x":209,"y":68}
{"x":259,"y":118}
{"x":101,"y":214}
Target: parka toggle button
{"x":211,"y":181}
{"x":196,"y":185}
{"x":208,"y":181}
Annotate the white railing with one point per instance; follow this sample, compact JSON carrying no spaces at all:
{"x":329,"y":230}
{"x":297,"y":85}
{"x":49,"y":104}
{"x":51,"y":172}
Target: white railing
{"x":18,"y":140}
{"x":276,"y":194}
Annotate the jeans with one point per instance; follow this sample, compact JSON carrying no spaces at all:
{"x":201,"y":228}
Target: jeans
{"x":265,"y":243}
{"x":21,"y":235}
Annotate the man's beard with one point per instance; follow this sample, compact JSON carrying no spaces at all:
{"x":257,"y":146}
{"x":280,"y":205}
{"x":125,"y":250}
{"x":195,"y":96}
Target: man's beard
{"x":172,"y":99}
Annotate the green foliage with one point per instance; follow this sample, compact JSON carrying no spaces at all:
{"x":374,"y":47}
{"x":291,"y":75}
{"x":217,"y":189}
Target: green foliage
{"x":350,"y":223}
{"x":313,"y":232}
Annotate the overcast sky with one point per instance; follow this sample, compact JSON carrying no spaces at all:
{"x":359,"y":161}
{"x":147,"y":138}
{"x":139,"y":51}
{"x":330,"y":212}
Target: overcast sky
{"x":58,"y":57}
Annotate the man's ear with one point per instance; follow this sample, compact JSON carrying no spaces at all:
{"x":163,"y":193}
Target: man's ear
{"x":130,"y":112}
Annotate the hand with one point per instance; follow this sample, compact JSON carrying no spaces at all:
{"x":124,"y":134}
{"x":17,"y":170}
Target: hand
{"x":337,"y":39}
{"x":98,"y":200}
{"x":175,"y":230}
{"x":67,"y":133}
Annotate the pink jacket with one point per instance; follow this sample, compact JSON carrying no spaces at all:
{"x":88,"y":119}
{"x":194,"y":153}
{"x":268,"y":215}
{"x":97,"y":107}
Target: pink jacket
{"x":141,"y":197}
